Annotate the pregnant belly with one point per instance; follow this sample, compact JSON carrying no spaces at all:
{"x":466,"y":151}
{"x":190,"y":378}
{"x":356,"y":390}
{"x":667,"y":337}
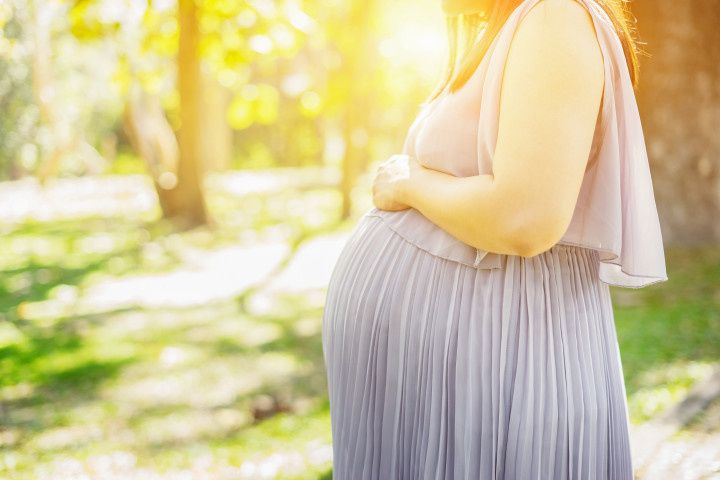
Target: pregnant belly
{"x":368,"y":252}
{"x":380,"y":242}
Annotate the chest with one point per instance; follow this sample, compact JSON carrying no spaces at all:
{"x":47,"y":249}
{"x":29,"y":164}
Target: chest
{"x":444,"y":135}
{"x":447,"y":133}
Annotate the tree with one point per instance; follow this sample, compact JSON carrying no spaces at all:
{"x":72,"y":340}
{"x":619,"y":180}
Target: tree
{"x":353,"y":85}
{"x":679,"y":100}
{"x":235,"y":37}
{"x":358,"y":63}
{"x":187,"y":200}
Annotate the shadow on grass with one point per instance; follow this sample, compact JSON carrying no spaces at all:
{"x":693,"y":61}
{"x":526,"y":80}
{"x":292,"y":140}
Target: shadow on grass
{"x":65,"y":253}
{"x":68,"y":365}
{"x":62,"y":376}
{"x":50,"y":372}
{"x":306,"y":380}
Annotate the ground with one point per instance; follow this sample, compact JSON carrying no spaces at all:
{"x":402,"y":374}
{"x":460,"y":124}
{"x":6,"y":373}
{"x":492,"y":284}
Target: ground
{"x":131,"y":351}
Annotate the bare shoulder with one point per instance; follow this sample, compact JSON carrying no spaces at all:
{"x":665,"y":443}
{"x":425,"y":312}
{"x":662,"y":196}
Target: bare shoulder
{"x":560,"y":34}
{"x":569,"y":16}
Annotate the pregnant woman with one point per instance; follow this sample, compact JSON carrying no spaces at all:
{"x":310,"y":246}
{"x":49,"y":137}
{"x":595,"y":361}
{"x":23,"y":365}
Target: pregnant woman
{"x":468,"y":331}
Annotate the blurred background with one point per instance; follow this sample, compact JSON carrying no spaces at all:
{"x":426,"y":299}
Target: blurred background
{"x":177,"y":178}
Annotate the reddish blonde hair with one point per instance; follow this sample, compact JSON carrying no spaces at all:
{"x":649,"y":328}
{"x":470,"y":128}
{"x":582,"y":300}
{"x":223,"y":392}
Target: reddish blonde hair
{"x":464,"y":29}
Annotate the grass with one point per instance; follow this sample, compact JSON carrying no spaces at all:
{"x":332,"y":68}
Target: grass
{"x":669,"y":333}
{"x":168,"y":384}
{"x":221,"y":388}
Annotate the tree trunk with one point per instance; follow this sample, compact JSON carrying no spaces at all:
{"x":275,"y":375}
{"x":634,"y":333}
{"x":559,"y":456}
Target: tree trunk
{"x":358,"y":63}
{"x":185,"y":203}
{"x":679,"y":101}
{"x":152,"y":137}
{"x":217,"y":137}
{"x":175,"y":163}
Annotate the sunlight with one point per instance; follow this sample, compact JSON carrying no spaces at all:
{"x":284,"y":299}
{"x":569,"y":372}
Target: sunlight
{"x":179,"y":180}
{"x":209,"y":276}
{"x":415,"y":37}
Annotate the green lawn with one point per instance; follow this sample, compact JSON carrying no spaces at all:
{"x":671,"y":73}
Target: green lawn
{"x":170,"y":384}
{"x":230,"y":387}
{"x":669,"y":333}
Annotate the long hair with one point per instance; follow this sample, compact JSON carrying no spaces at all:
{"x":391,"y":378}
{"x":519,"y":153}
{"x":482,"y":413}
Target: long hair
{"x":466,"y":50}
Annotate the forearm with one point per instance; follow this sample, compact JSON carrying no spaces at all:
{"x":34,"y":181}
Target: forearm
{"x":472,"y":209}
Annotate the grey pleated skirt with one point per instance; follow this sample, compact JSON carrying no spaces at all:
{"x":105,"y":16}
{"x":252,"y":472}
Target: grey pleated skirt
{"x":437,"y":370}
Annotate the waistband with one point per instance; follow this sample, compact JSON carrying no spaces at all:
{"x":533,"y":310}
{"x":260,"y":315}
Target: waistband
{"x":436,"y":241}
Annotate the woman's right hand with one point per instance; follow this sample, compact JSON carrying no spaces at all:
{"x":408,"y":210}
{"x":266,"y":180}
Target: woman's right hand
{"x":391,"y":177}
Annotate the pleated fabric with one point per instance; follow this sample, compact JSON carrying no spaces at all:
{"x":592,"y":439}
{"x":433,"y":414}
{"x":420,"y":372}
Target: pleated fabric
{"x":438,"y":370}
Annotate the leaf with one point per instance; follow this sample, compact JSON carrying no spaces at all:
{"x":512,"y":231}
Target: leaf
{"x":239,"y":114}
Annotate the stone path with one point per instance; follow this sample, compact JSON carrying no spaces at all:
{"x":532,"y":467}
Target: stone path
{"x":683,"y":443}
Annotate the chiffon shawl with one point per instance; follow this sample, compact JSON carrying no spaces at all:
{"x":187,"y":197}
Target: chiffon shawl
{"x":615,"y":212}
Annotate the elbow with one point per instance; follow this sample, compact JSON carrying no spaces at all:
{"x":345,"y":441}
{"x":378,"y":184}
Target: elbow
{"x":528,"y":234}
{"x":529,"y":248}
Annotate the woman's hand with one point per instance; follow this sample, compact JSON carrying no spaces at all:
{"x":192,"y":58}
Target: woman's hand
{"x":391,"y":178}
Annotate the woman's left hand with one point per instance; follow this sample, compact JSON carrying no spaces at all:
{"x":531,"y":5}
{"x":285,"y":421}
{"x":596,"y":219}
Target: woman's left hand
{"x":391,"y":178}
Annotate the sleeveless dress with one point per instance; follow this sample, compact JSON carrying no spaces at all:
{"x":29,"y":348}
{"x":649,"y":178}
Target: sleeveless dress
{"x":448,"y":362}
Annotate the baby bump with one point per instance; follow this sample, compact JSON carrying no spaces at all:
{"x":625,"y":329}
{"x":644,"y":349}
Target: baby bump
{"x":362,"y":251}
{"x":374,"y":260}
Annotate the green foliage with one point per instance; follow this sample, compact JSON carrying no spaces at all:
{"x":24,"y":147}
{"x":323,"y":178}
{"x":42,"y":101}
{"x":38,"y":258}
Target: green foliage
{"x":20,"y":117}
{"x":240,"y":42}
{"x":55,"y":93}
{"x":127,"y":163}
{"x":285,"y":65}
{"x":83,"y":23}
{"x":254,"y":103}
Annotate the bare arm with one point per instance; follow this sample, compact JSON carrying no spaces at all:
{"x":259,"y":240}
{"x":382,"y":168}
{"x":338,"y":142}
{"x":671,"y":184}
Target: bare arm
{"x":551,"y":93}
